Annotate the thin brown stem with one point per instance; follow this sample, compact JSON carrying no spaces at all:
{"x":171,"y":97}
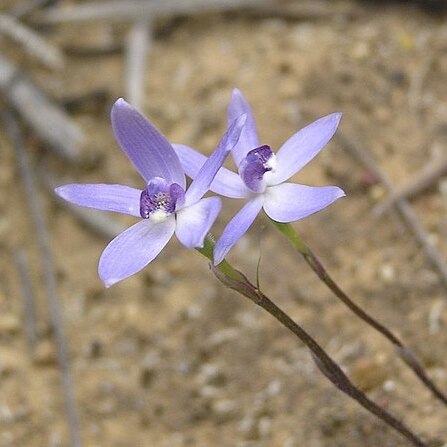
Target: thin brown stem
{"x":404,"y":353}
{"x":332,"y":371}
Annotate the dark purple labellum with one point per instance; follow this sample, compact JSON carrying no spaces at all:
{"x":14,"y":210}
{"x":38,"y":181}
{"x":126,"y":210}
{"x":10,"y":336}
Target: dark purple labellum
{"x":160,"y":199}
{"x":253,"y":167}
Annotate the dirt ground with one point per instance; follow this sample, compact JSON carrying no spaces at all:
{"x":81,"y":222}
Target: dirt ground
{"x":169,"y":358}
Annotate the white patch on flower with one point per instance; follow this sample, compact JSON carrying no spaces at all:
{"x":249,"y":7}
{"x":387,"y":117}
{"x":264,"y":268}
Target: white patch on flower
{"x":271,"y":163}
{"x":159,"y":215}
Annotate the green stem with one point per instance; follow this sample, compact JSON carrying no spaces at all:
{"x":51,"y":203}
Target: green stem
{"x":224,"y":266}
{"x":237,"y":281}
{"x":404,"y":353}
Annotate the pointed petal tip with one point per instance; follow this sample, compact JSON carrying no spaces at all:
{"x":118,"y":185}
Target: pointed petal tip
{"x":337,"y":116}
{"x":332,"y":118}
{"x":338,"y":193}
{"x":218,"y":258}
{"x":289,"y":202}
{"x":109,"y":283}
{"x":237,"y":95}
{"x":120,"y":102}
{"x":120,"y":106}
{"x":63,"y":191}
{"x":59,"y":190}
{"x":219,"y":253}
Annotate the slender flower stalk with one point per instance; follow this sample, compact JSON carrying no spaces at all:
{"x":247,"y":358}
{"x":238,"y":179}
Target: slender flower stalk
{"x":166,"y":206}
{"x":237,"y":281}
{"x":261,"y":174}
{"x":404,"y":353}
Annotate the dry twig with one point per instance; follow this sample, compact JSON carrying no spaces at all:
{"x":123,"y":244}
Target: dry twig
{"x":50,"y":122}
{"x":362,"y":156}
{"x":418,"y":183}
{"x":26,"y":7}
{"x":138,"y":46}
{"x":417,"y":80}
{"x":29,"y":307}
{"x":118,"y":10}
{"x":306,"y":10}
{"x":31,"y":41}
{"x":49,"y":274}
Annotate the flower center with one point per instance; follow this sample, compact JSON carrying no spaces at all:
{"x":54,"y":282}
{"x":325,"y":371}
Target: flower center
{"x":253,"y":167}
{"x":160,"y":199}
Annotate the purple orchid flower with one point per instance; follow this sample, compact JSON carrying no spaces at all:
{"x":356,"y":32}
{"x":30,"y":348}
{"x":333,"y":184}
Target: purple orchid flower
{"x":262,"y":174}
{"x":164,"y":204}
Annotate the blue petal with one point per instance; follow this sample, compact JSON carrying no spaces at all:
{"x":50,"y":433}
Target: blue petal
{"x":226,"y":183}
{"x":237,"y":227}
{"x":145,"y":146}
{"x":208,"y":171}
{"x":194,"y":222}
{"x":289,"y":202}
{"x":302,"y":147}
{"x":133,"y":249}
{"x":117,"y":198}
{"x":249,"y":138}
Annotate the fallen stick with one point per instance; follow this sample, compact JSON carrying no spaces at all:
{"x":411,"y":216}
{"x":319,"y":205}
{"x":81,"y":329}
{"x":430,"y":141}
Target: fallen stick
{"x":422,"y":180}
{"x":26,"y":7}
{"x":49,"y":121}
{"x":29,"y":307}
{"x":35,"y":211}
{"x":118,"y":10}
{"x":137,"y":49}
{"x":362,"y":156}
{"x":306,"y":10}
{"x":31,"y":41}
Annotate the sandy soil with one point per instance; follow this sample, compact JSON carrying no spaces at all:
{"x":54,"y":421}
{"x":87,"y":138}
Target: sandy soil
{"x":169,"y":358}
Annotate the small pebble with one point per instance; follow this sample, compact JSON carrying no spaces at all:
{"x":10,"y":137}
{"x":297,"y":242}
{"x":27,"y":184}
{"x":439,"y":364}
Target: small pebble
{"x":387,"y":273}
{"x":249,"y":428}
{"x":376,"y":192}
{"x":223,"y":336}
{"x":45,"y":354}
{"x":264,"y":426}
{"x":9,"y":324}
{"x":224,"y":410}
{"x":368,"y":374}
{"x":9,"y":362}
{"x":211,"y":374}
{"x":389,"y":385}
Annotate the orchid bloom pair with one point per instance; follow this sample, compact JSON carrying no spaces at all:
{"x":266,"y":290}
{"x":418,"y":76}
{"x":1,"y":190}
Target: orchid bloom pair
{"x":262,"y":174}
{"x":167,"y":207}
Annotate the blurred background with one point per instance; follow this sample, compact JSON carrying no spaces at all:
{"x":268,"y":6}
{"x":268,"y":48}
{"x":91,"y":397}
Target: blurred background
{"x":169,"y":358}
